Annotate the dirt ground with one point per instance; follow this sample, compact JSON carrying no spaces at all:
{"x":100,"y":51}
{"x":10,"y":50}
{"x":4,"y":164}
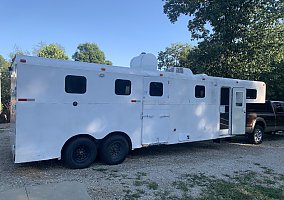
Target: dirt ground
{"x":201,"y":170}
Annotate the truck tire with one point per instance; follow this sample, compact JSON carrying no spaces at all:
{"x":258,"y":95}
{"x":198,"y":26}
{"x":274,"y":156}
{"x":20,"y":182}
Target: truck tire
{"x":79,"y":153}
{"x":257,"y":135}
{"x":114,"y":150}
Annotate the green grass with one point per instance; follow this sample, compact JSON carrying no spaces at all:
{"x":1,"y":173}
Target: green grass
{"x":220,"y":189}
{"x":181,"y":185}
{"x":152,"y":185}
{"x":139,"y":175}
{"x":138,"y":183}
{"x":134,"y":195}
{"x":246,"y":185}
{"x":100,"y":169}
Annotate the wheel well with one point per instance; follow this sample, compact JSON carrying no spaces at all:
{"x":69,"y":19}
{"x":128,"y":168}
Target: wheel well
{"x":121,"y":134}
{"x":75,"y":137}
{"x":260,"y":123}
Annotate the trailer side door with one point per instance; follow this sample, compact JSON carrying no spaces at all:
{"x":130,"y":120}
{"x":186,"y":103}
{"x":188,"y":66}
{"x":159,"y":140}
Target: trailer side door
{"x":238,"y":111}
{"x":156,"y":113}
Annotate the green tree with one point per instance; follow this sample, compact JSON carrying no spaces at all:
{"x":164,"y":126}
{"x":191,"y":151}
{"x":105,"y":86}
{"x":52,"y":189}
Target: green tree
{"x":174,"y":56}
{"x":238,"y":38}
{"x":5,"y":84}
{"x":52,"y":51}
{"x":90,"y":52}
{"x":275,"y":81}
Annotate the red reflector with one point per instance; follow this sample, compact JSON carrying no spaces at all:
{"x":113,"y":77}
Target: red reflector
{"x":23,"y":60}
{"x":23,"y":99}
{"x":134,"y":100}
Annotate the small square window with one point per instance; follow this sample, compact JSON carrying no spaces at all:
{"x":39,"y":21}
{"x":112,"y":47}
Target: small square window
{"x":199,"y":91}
{"x":239,"y":99}
{"x":75,"y":84}
{"x":251,"y":94}
{"x":122,"y":87}
{"x":156,"y":89}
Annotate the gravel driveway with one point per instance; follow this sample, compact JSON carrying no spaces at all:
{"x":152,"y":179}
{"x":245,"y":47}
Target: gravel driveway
{"x":159,"y":172}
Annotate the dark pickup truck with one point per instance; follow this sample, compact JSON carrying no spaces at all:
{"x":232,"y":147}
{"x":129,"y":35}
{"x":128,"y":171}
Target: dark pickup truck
{"x":264,"y":118}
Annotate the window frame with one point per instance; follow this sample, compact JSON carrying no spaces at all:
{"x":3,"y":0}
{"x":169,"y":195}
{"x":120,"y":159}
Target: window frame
{"x":251,"y":93}
{"x":150,"y":91}
{"x":196,"y":94}
{"x":117,"y":92}
{"x":70,"y":89}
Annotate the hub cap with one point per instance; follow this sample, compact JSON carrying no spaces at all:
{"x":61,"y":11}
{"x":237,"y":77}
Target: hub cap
{"x":257,"y":135}
{"x":81,"y":153}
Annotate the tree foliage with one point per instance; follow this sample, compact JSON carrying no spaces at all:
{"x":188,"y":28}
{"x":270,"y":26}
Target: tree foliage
{"x":90,"y":52}
{"x":238,"y":38}
{"x":52,"y":51}
{"x":5,"y":84}
{"x":174,"y":56}
{"x":275,"y":81}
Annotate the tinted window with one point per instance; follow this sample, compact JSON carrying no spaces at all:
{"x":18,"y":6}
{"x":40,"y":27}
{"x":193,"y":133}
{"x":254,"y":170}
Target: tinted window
{"x":122,"y":87}
{"x":225,"y":96}
{"x":278,"y":108}
{"x":251,"y":94}
{"x":259,"y":107}
{"x":199,"y":91}
{"x":156,"y":89}
{"x":75,"y":84}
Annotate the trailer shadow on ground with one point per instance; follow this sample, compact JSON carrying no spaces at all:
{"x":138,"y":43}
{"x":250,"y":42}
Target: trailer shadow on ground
{"x":163,"y":150}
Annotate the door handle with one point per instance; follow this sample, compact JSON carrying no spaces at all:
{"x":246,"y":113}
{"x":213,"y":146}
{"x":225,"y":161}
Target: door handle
{"x":148,"y":116}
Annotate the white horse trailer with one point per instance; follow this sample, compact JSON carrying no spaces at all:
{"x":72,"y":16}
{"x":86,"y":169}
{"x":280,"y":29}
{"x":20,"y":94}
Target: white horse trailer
{"x":73,"y":110}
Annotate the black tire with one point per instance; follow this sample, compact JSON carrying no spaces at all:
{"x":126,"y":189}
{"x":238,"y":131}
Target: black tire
{"x":79,"y":153}
{"x":257,"y":135}
{"x":114,"y":150}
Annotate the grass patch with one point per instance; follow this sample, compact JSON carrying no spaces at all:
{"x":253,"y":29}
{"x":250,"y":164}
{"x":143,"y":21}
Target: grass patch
{"x":246,"y":185}
{"x":138,"y":183}
{"x":181,"y":185}
{"x":165,"y":195}
{"x":100,"y":169}
{"x":220,"y":189}
{"x":152,"y":185}
{"x":267,"y":170}
{"x":135,"y":195}
{"x":139,"y":175}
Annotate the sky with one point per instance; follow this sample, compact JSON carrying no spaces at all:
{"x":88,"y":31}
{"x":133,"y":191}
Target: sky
{"x":122,"y":29}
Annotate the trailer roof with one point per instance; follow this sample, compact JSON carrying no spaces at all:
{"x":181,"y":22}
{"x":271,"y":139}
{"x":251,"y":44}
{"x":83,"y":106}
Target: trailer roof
{"x":68,"y":64}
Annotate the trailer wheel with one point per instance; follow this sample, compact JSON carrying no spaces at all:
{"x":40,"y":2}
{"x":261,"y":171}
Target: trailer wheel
{"x":79,"y":153}
{"x":257,"y":135}
{"x":114,"y":150}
